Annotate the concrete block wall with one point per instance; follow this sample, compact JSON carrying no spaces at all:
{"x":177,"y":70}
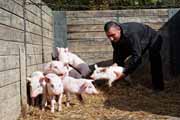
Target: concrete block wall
{"x":26,"y":43}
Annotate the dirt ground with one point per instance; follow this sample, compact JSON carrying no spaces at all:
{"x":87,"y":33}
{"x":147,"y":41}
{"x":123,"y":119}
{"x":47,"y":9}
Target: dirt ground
{"x":123,"y":101}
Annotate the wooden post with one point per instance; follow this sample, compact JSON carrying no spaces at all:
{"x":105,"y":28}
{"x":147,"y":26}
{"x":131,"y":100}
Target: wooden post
{"x":23,"y":87}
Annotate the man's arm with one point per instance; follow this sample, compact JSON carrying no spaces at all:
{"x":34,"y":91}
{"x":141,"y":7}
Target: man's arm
{"x":117,"y":57}
{"x":135,"y":58}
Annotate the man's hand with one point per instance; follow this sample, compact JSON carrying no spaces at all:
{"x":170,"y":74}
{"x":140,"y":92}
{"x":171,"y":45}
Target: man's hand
{"x":120,"y":76}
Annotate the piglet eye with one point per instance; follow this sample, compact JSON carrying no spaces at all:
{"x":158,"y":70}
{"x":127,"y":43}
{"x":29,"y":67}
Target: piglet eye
{"x":55,"y":67}
{"x":89,"y":86}
{"x":52,"y":86}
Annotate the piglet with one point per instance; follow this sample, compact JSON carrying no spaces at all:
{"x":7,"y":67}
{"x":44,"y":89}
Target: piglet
{"x":78,"y":87}
{"x":54,"y":87}
{"x":36,"y":84}
{"x":56,"y":67}
{"x":110,"y":73}
{"x":73,"y":60}
{"x":60,"y":69}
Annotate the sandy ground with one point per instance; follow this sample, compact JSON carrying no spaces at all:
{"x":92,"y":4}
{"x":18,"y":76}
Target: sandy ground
{"x":123,"y":101}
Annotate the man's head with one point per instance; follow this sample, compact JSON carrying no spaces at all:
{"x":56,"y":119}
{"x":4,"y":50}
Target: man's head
{"x":113,"y":31}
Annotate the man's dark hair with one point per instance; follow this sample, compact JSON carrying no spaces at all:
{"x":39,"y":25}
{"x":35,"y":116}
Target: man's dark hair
{"x":110,"y":24}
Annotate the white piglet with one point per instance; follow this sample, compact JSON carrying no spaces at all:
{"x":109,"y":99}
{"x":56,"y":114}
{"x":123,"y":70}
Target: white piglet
{"x":60,"y":68}
{"x":36,"y":84}
{"x":110,"y":73}
{"x":78,"y":87}
{"x":73,"y":60}
{"x":54,"y":87}
{"x":56,"y":67}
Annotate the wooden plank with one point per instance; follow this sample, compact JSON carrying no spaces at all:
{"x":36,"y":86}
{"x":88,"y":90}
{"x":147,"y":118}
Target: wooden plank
{"x":47,"y":25}
{"x":11,"y":34}
{"x":10,"y":108}
{"x":32,"y":68}
{"x":47,"y":50}
{"x":9,"y":48}
{"x":12,"y":6}
{"x":47,"y":18}
{"x":91,"y":42}
{"x":90,"y":35}
{"x":87,"y":48}
{"x":85,"y":28}
{"x":33,"y":38}
{"x":94,"y":55}
{"x":34,"y":59}
{"x":143,"y":12}
{"x":11,"y":19}
{"x":113,"y":13}
{"x":33,"y":17}
{"x":6,"y":62}
{"x":33,"y":28}
{"x":48,"y":41}
{"x":47,"y":33}
{"x":83,"y":14}
{"x":34,"y":49}
{"x":7,"y":78}
{"x":47,"y":57}
{"x":93,"y":61}
{"x":103,"y":20}
{"x":30,"y":6}
{"x":90,"y":21}
{"x":144,"y":19}
{"x":46,"y":10}
{"x":19,"y":2}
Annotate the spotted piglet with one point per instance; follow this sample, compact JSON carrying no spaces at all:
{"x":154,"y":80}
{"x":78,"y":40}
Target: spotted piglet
{"x":36,"y":84}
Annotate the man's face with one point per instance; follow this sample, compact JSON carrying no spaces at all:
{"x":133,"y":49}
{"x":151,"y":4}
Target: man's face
{"x":114,"y":34}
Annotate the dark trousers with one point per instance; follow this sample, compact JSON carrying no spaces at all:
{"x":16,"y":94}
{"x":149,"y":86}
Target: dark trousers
{"x":156,"y":64}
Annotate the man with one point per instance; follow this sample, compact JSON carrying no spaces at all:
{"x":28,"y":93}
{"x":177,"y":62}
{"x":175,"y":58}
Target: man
{"x":134,"y":39}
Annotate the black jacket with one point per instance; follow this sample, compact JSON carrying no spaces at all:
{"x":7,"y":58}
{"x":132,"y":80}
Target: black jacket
{"x":135,"y":39}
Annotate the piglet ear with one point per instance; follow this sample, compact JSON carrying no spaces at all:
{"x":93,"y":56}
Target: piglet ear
{"x":46,"y":79}
{"x":42,"y":81}
{"x":96,"y":66}
{"x":83,"y":87}
{"x":66,"y":49}
{"x":103,"y":70}
{"x":28,"y":79}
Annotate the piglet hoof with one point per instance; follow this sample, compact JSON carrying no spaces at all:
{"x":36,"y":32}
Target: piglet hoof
{"x":110,"y":85}
{"x":43,"y":109}
{"x":60,"y":109}
{"x":52,"y":110}
{"x":67,"y":104}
